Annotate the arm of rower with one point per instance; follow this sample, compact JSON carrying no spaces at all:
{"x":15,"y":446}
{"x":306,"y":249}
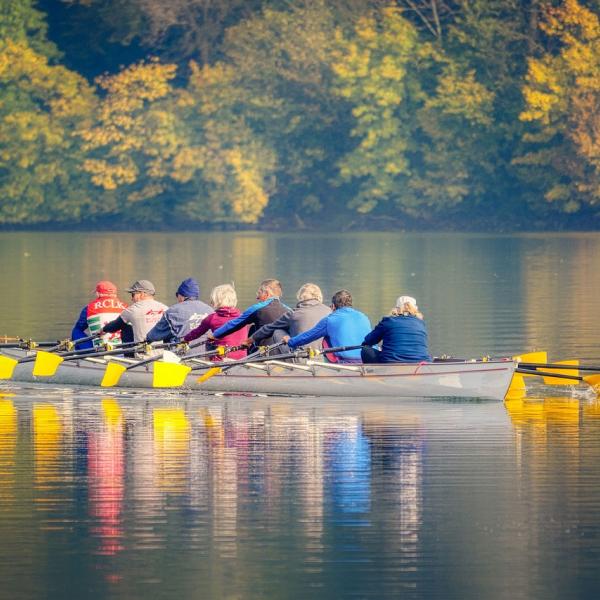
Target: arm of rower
{"x":162,"y":331}
{"x":267,"y":330}
{"x":318,"y":331}
{"x":374,"y":337}
{"x":194,"y":334}
{"x":79,"y":330}
{"x":117,"y":325}
{"x":248,"y":317}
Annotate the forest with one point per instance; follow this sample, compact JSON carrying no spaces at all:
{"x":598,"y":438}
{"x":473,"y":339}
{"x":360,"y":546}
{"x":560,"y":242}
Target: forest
{"x":287,"y":114}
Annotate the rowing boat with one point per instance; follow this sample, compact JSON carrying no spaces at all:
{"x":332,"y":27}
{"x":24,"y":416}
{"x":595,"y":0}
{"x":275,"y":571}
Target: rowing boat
{"x":460,"y":379}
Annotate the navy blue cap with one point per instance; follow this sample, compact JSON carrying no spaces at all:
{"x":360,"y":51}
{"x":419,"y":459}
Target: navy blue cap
{"x":189,"y":288}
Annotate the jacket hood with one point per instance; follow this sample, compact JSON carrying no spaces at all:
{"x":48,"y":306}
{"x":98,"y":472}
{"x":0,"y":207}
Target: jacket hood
{"x":309,"y":302}
{"x":228,"y":311}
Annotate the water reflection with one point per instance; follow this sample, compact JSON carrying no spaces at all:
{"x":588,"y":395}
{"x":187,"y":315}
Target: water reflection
{"x":106,"y":468}
{"x":226,"y":476}
{"x":343,"y":498}
{"x":8,"y":446}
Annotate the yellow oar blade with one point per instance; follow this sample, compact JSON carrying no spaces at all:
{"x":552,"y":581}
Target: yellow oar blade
{"x":594,"y":381}
{"x":517,"y":387}
{"x":7,"y":366}
{"x":532,"y":357}
{"x":168,"y":375}
{"x":112,"y":374}
{"x":559,"y":380}
{"x":46,"y":364}
{"x":209,"y":374}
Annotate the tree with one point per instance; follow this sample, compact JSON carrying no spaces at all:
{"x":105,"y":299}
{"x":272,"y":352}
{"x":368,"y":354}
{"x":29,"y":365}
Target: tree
{"x":562,"y":95}
{"x":410,"y":104}
{"x":41,"y":105}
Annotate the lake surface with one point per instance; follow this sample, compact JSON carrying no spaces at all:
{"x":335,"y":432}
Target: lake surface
{"x":173,"y":495}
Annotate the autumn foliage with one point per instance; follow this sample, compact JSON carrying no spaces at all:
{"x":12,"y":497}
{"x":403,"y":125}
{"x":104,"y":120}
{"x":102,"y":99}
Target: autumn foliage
{"x":325,"y":113}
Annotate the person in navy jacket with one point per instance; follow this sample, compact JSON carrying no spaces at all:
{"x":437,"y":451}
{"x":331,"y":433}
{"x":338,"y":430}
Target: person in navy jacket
{"x":403,"y":335}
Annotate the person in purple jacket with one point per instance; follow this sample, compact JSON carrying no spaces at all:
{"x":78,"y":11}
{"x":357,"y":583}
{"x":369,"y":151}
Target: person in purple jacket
{"x":403,"y":335}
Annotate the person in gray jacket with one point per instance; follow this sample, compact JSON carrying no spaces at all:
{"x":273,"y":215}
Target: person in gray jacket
{"x":308,"y":312}
{"x":180,"y":318}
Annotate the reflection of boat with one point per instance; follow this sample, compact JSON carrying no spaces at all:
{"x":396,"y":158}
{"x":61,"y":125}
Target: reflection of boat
{"x":439,"y":379}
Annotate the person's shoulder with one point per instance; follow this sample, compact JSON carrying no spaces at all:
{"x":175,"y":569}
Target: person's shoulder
{"x":202,"y":305}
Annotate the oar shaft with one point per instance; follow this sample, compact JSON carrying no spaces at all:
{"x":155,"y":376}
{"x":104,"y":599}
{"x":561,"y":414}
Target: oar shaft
{"x":557,"y":366}
{"x":23,"y":344}
{"x":547,"y":374}
{"x":94,"y":354}
{"x":225,"y":366}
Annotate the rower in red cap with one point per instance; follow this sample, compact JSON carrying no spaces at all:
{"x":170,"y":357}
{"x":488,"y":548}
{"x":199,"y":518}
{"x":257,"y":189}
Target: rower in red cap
{"x":104,"y":308}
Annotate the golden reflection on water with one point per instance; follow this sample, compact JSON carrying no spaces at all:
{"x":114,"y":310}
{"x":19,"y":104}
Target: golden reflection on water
{"x":47,"y":440}
{"x":8,"y":445}
{"x":171,"y":430}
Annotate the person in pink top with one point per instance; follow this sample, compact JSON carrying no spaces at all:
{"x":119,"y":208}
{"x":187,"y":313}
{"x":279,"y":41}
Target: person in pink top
{"x":224,"y":300}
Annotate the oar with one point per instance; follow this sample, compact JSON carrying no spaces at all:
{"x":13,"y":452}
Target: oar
{"x":69,"y":345}
{"x":306,"y":353}
{"x":174,"y":371}
{"x":46,"y":363}
{"x":565,"y":366}
{"x":591,"y":380}
{"x":27,"y":344}
{"x":169,"y":375}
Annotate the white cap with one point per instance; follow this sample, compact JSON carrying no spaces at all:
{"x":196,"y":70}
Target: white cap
{"x":402,"y":300}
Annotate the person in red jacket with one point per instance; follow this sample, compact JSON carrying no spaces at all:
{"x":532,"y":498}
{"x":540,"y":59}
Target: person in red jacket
{"x":223,"y":299}
{"x":105,"y":307}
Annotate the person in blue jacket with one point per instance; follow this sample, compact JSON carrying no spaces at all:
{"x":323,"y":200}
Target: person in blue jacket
{"x":345,"y":326}
{"x":403,"y":335}
{"x":268,"y":309}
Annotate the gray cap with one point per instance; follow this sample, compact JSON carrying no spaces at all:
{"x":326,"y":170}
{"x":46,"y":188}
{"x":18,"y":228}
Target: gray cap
{"x":142,"y":285}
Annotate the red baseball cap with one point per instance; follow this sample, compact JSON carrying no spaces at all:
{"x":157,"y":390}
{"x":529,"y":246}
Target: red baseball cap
{"x":106,"y":288}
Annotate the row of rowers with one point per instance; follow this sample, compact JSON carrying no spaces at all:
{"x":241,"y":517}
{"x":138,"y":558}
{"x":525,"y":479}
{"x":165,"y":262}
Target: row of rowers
{"x":399,"y":337}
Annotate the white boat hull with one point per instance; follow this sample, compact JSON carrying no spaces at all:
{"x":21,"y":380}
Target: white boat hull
{"x":488,"y":380}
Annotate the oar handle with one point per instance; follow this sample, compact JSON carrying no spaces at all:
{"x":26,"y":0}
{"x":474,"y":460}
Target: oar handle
{"x":215,"y":352}
{"x":338,"y":349}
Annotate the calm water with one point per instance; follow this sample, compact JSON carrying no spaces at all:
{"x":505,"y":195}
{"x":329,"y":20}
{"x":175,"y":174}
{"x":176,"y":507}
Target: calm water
{"x":166,"y":495}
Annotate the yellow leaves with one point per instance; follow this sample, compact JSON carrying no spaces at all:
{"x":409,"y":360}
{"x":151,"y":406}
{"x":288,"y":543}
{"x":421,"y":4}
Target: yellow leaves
{"x":111,"y":176}
{"x":145,"y":81}
{"x":187,"y":162}
{"x":562,"y":97}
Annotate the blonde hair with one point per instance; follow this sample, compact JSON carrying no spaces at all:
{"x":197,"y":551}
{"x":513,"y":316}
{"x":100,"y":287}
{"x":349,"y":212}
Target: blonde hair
{"x":223,"y":295}
{"x":309,"y":291}
{"x":271,"y":287}
{"x":406,"y":309}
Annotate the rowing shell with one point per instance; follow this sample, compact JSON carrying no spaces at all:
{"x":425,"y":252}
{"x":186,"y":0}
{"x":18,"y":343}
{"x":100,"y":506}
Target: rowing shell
{"x":489,"y":380}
